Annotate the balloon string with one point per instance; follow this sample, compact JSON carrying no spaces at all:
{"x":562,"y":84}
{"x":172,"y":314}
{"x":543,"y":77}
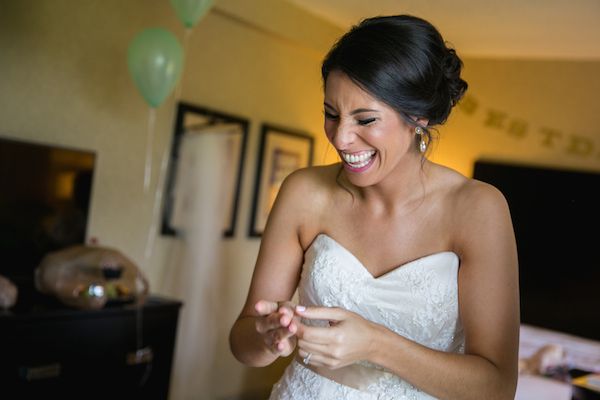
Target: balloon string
{"x":156,"y":206}
{"x":149,"y":148}
{"x":163,"y":164}
{"x":186,"y":38}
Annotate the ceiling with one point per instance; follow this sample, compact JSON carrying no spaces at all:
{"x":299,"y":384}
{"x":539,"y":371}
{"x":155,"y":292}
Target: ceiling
{"x":538,"y":29}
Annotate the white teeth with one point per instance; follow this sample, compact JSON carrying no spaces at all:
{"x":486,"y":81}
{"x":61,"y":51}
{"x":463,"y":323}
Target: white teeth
{"x":358,"y":161}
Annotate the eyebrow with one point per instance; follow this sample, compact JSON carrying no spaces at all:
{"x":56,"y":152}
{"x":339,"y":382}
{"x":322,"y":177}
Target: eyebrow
{"x":354,"y":112}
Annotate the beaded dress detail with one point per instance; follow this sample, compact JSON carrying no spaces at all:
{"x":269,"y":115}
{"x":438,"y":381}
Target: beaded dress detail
{"x":417,"y":300}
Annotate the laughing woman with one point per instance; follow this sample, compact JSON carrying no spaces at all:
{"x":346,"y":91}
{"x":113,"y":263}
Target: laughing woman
{"x":406,"y":270}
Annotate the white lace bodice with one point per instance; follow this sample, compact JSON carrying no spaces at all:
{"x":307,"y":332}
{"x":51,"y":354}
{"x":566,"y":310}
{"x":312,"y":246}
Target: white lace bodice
{"x":417,"y":300}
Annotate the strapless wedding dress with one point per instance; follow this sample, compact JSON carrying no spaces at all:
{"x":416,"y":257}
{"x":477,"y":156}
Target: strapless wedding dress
{"x":417,"y":300}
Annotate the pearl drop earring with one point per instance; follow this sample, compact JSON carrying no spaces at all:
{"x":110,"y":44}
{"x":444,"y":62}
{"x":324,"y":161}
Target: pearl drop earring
{"x":422,"y":144}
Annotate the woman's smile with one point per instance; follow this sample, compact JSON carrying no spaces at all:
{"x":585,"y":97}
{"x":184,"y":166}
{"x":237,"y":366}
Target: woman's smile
{"x":359,"y":161}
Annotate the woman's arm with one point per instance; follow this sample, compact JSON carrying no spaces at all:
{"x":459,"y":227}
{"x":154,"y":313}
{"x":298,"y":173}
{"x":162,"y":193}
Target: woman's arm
{"x":489,"y":312}
{"x":264,"y":329}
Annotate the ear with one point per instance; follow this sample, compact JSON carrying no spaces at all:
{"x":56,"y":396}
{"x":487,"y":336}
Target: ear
{"x":424,"y":122}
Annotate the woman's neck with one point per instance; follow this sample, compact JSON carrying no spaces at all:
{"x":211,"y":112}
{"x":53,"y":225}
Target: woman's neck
{"x":402,"y":187}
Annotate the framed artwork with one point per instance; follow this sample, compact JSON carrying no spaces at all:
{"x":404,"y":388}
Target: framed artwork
{"x":194,"y":120}
{"x":282,"y":151}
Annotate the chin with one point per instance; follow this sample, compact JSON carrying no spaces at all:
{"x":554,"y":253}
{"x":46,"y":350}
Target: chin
{"x":361,"y":180}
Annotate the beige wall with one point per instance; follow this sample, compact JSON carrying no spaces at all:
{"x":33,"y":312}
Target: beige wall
{"x":538,"y":112}
{"x":63,"y":79}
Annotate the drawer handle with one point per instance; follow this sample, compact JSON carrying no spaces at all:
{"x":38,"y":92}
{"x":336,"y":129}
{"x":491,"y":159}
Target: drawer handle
{"x":40,"y":372}
{"x":140,"y":356}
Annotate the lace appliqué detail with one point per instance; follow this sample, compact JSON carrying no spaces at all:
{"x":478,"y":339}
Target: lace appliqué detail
{"x":439,"y":300}
{"x":390,"y":387}
{"x":336,"y":286}
{"x":419,"y":301}
{"x":300,"y":383}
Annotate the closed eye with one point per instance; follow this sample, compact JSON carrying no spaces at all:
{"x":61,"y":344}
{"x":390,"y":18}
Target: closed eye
{"x":330,"y":116}
{"x":366,"y":121}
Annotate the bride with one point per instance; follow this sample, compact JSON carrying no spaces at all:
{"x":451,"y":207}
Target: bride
{"x":406,"y":270}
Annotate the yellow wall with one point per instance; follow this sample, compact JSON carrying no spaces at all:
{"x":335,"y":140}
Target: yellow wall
{"x":64,"y":80}
{"x":529,"y":111}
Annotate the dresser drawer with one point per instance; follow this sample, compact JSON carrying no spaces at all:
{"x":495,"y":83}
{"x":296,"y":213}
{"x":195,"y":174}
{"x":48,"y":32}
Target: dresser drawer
{"x":90,"y":354}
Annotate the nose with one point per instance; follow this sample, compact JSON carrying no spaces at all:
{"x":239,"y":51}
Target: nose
{"x":342,"y":135}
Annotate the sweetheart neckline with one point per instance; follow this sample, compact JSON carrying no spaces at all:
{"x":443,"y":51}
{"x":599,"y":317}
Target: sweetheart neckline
{"x":397,"y":268}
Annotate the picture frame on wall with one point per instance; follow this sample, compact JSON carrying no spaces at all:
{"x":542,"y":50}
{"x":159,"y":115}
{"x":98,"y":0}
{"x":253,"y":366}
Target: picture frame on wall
{"x":282,"y":150}
{"x":192,"y":119}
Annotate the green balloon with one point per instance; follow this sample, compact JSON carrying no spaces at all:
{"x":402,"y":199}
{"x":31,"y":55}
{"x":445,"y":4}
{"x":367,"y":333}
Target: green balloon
{"x":190,"y":11}
{"x":155,"y":59}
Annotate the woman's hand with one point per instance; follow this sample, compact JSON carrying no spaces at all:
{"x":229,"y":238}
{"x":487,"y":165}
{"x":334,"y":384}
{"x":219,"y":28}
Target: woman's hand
{"x":349,"y":337}
{"x":277,"y":325}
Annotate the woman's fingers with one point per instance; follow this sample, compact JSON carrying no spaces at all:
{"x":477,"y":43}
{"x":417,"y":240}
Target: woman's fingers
{"x":282,"y":335}
{"x":316,"y":359}
{"x":283,"y":341}
{"x":264,"y":307}
{"x":285,"y":316}
{"x":324,"y":313}
{"x":317,"y":334}
{"x":268,"y":323}
{"x":314,"y":347}
{"x":278,"y":325}
{"x":285,"y":309}
{"x":273,"y":315}
{"x":347,"y":338}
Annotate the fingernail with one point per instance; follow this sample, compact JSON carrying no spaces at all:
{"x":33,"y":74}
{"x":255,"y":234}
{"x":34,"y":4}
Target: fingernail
{"x":292,"y":328}
{"x":300,"y":308}
{"x":279,"y":346}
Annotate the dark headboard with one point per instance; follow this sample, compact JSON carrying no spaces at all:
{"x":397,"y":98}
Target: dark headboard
{"x":556,"y":216}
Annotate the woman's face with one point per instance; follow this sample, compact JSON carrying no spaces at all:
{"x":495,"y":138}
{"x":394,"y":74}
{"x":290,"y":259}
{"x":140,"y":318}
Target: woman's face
{"x":370,"y":137}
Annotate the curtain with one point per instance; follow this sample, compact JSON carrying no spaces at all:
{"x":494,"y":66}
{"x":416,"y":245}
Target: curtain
{"x":201,"y":198}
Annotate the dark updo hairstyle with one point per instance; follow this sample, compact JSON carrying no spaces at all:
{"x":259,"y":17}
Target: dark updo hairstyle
{"x":404,"y":62}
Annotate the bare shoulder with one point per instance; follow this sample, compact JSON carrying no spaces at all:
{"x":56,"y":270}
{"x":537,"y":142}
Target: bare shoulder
{"x":304,"y":197}
{"x":480,"y":217}
{"x":311,"y":185}
{"x":479,"y":200}
{"x":472,"y":205}
{"x":315,"y":178}
{"x":465,"y":188}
